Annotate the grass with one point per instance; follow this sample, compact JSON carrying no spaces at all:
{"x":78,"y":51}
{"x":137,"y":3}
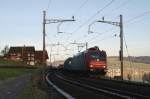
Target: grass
{"x":6,"y":73}
{"x":9,"y":62}
{"x":27,"y":93}
{"x":135,"y":69}
{"x":114,"y":62}
{"x":34,"y":88}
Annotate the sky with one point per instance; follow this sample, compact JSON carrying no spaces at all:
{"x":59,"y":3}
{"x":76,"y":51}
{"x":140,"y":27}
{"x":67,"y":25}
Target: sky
{"x":21,"y":24}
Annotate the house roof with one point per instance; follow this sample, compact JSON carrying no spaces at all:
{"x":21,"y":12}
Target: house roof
{"x":19,"y":49}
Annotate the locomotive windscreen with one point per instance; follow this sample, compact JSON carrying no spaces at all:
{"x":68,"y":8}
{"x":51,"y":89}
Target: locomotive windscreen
{"x":99,"y":56}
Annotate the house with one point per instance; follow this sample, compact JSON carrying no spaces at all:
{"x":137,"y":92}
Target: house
{"x":22,"y":53}
{"x":26,"y":54}
{"x":39,"y":56}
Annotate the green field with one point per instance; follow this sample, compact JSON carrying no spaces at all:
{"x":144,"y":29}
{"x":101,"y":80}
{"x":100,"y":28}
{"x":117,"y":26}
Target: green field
{"x":6,"y":73}
{"x":9,"y":62}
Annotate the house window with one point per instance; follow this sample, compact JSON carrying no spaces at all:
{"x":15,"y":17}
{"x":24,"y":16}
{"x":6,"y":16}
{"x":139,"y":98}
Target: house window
{"x":32,"y":63}
{"x":18,"y":58}
{"x":32,"y":58}
{"x":19,"y":54}
{"x":28,"y":62}
{"x":13,"y":54}
{"x":28,"y":58}
{"x":28,"y":54}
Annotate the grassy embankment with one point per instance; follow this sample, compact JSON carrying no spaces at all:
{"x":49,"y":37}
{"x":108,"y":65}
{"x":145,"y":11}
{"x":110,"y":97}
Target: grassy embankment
{"x":31,"y":89}
{"x":35,"y":89}
{"x":9,"y":62}
{"x":114,"y":62}
{"x":8,"y":69}
{"x":135,"y":69}
{"x":6,"y":73}
{"x":28,"y":94}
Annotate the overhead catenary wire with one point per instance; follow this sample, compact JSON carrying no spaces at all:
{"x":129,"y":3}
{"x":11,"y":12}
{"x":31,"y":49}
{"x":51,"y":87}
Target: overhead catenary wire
{"x":106,"y":32}
{"x":134,"y":18}
{"x":48,"y":5}
{"x":136,"y":21}
{"x":83,"y":5}
{"x":109,"y":30}
{"x":77,"y":10}
{"x":131,"y":20}
{"x":66,"y":49}
{"x":126,"y":23}
{"x":101,"y":33}
{"x":108,"y":4}
{"x":80,"y":7}
{"x":108,"y":37}
{"x":93,"y":16}
{"x":116,"y":8}
{"x":138,"y":16}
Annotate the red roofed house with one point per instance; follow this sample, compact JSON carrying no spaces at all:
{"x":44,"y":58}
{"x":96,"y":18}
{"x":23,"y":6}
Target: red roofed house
{"x":26,"y":54}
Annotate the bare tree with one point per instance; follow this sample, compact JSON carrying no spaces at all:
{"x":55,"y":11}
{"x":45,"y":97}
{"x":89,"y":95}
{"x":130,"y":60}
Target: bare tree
{"x":146,"y":77}
{"x":5,"y":50}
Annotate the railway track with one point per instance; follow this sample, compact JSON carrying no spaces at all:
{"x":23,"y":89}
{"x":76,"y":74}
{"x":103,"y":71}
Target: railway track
{"x":135,"y":90}
{"x":125,"y":89}
{"x":95,"y":89}
{"x":84,"y":88}
{"x":74,"y":91}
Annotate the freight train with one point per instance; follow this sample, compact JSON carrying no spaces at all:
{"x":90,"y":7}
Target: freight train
{"x":91,"y":60}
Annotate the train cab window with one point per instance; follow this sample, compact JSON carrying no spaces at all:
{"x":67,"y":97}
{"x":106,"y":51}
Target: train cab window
{"x":97,"y":56}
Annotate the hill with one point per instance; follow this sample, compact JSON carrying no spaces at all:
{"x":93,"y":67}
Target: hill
{"x":138,"y":59}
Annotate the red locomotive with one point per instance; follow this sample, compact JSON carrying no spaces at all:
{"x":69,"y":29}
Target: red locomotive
{"x":92,"y":60}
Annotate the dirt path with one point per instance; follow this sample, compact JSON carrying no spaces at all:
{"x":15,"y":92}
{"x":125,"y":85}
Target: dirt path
{"x":10,"y":89}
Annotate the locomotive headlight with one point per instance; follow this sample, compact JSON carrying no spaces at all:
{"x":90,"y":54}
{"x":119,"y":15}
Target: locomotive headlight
{"x":91,"y":65}
{"x":104,"y":66}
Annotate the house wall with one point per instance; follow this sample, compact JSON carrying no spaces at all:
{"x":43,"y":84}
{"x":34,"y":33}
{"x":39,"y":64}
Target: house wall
{"x":15,"y":56}
{"x":26,"y":55}
{"x":30,"y":58}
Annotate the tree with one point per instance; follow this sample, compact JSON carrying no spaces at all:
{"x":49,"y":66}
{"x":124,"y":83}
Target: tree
{"x":5,"y":50}
{"x":146,"y":77}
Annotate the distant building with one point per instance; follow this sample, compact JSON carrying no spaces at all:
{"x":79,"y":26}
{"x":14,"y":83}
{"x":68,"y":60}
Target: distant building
{"x":39,"y":56}
{"x":26,"y":54}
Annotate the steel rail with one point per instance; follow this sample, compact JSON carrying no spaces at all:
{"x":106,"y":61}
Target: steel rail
{"x":94,"y":88}
{"x":135,"y":94}
{"x":120,"y":91}
{"x":116,"y":90}
{"x":63,"y":93}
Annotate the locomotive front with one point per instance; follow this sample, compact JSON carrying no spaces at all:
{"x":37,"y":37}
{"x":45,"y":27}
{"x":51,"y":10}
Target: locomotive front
{"x":96,"y":60}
